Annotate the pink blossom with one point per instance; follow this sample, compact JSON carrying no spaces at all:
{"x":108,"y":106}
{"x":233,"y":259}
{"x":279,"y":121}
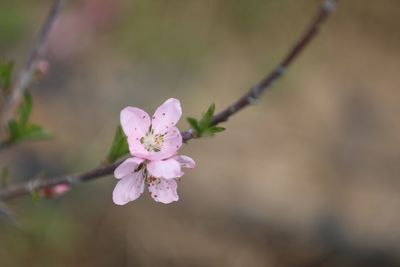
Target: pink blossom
{"x":153,"y":143}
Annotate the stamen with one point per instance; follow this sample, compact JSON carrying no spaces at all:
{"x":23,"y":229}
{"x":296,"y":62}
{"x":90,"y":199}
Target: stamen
{"x":152,"y":142}
{"x":153,"y":180}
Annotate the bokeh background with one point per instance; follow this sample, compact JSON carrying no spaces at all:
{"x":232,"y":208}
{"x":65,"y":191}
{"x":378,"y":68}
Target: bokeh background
{"x":308,"y":176}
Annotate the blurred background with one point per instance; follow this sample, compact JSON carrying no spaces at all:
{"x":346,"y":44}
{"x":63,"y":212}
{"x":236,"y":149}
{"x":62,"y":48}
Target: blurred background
{"x":309,"y":176}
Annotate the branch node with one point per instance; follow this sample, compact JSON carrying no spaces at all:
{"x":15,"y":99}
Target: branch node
{"x":255,"y":92}
{"x":251,"y":99}
{"x":232,"y":109}
{"x":329,"y":5}
{"x":281,"y":70}
{"x":71,"y":180}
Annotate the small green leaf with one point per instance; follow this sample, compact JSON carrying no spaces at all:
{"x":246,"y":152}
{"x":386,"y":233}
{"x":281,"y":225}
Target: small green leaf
{"x":203,"y":126}
{"x":216,"y":129}
{"x":205,"y":121}
{"x":26,"y":109}
{"x":21,"y":129}
{"x":35,"y":132}
{"x":19,"y":132}
{"x":119,"y":146}
{"x":6,"y":74}
{"x":194,"y":124}
{"x":212,"y":131}
{"x":13,"y":130}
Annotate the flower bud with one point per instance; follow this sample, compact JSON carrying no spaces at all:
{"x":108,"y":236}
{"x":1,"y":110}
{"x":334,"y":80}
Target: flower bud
{"x":41,"y":70}
{"x":54,"y":191}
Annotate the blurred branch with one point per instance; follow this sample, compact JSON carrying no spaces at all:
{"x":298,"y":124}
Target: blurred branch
{"x":14,"y":97}
{"x":252,"y":95}
{"x":15,"y":190}
{"x":256,"y":91}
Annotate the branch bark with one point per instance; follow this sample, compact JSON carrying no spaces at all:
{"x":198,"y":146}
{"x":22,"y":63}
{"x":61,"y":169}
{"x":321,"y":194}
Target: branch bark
{"x":248,"y":98}
{"x":13,"y":99}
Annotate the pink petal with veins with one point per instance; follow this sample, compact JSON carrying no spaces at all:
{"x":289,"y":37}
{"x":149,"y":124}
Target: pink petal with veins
{"x":134,"y":121}
{"x":128,"y":188}
{"x":164,"y":191}
{"x":167,"y":169}
{"x":166,"y":116}
{"x":127,"y":167}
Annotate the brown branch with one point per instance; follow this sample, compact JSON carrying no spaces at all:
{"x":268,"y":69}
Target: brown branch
{"x":253,"y":94}
{"x":13,"y":99}
{"x":15,"y":190}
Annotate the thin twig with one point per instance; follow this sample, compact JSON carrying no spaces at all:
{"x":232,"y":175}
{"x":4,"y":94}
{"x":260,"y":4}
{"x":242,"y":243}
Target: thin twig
{"x":253,"y":94}
{"x":15,"y":190}
{"x":24,"y":78}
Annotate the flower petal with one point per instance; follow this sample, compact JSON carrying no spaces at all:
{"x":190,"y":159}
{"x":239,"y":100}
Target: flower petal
{"x":134,"y":121}
{"x":163,"y":190}
{"x":172,"y":142}
{"x":127,"y":167}
{"x":167,"y":169}
{"x":128,"y":188}
{"x":166,"y":116}
{"x":136,"y":148}
{"x":185,"y":161}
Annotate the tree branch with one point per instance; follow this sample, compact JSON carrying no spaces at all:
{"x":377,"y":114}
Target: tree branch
{"x":255,"y":92}
{"x":13,"y":99}
{"x":248,"y":98}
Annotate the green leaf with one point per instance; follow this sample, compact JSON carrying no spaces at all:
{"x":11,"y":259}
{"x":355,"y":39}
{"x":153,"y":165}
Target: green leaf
{"x":26,"y":109}
{"x":216,"y":129}
{"x":119,"y":146}
{"x":13,"y":130}
{"x":205,"y":121}
{"x":194,"y":124}
{"x":212,"y":131}
{"x":6,"y":74}
{"x":35,"y":132}
{"x":19,"y":132}
{"x":203,"y":126}
{"x":21,"y":129}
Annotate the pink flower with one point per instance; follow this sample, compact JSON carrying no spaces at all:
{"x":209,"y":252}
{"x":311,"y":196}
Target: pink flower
{"x":153,"y":143}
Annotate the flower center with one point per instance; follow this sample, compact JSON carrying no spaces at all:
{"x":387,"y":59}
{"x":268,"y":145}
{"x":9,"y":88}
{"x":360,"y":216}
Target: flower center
{"x":152,"y":142}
